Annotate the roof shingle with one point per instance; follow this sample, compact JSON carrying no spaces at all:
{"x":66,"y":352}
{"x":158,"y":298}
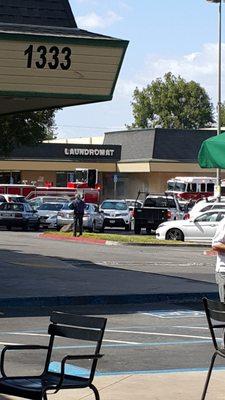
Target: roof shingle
{"x":37,"y":12}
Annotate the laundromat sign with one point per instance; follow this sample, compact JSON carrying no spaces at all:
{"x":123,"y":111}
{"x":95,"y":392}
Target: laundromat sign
{"x":103,"y":152}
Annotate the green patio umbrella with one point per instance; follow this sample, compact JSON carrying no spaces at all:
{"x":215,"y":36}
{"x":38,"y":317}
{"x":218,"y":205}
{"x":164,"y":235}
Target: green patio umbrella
{"x":212,"y":152}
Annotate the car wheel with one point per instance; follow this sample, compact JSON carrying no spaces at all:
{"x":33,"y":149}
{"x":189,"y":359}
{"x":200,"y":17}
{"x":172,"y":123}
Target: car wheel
{"x":148,"y":230}
{"x":25,"y":227}
{"x":127,"y":227}
{"x":94,"y":229}
{"x":37,"y":227}
{"x":101,"y":230}
{"x":137,"y":229}
{"x":8,"y":227}
{"x":175,"y":234}
{"x":58,"y":228}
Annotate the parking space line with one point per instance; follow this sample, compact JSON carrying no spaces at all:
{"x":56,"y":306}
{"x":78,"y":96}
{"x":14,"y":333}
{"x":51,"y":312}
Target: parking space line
{"x":120,"y":341}
{"x":159,"y":334}
{"x":205,"y":328}
{"x":9,"y":344}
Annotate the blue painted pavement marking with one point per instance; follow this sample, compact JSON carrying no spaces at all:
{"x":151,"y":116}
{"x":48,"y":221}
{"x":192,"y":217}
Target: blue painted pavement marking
{"x":69,"y":369}
{"x":77,"y":371}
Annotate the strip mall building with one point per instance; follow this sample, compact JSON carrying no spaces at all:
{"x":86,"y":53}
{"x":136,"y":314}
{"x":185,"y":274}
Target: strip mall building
{"x":137,"y":160}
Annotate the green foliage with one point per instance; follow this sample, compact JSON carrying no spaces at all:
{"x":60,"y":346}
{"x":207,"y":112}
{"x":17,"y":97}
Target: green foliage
{"x":172,"y":103}
{"x":28,"y":128}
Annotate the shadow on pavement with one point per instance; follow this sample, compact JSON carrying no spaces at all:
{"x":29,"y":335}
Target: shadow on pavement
{"x":32,"y":284}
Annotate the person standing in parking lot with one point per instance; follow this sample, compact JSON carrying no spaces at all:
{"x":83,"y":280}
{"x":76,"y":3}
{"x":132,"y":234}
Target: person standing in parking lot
{"x":78,"y":206}
{"x":218,"y":247}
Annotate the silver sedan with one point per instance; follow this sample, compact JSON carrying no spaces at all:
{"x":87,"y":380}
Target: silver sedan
{"x":93,"y":219}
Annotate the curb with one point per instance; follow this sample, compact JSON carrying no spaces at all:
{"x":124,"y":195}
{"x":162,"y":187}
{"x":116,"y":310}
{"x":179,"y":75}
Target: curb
{"x":126,"y":299}
{"x":86,"y":240}
{"x":51,"y":236}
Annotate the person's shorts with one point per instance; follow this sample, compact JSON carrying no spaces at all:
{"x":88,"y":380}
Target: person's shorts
{"x":220,"y":280}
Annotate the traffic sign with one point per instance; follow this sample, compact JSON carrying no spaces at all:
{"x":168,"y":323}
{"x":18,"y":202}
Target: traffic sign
{"x":115,"y":178}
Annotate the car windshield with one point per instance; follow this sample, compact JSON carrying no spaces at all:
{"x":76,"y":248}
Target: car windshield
{"x":17,"y":199}
{"x":51,"y":206}
{"x":12,"y":207}
{"x":114,"y":205}
{"x":160,"y":202}
{"x":133,"y":203}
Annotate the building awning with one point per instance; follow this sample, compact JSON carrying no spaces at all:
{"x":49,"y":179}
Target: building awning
{"x":54,"y":64}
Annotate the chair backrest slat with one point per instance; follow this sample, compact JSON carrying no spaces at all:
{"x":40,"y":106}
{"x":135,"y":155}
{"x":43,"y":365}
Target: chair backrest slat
{"x":75,"y":333}
{"x":78,"y":320}
{"x":215,"y":305}
{"x":217,"y":315}
{"x":215,"y":310}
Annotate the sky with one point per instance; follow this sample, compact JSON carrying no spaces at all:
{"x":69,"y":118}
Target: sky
{"x":179,"y":36}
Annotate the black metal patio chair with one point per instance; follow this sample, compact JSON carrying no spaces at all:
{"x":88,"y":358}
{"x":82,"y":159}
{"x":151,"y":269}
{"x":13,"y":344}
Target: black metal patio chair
{"x":215,"y":311}
{"x":64,"y":326}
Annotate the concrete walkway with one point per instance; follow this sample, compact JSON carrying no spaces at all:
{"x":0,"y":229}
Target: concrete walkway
{"x":171,"y":386}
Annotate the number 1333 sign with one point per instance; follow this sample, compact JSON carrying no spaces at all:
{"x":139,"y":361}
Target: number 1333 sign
{"x":53,"y":57}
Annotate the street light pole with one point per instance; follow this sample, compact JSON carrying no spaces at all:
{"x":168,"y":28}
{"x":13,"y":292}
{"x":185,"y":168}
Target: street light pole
{"x":218,"y":172}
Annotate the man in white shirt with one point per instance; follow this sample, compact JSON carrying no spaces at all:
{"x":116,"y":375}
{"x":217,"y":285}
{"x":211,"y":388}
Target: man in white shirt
{"x":218,"y":245}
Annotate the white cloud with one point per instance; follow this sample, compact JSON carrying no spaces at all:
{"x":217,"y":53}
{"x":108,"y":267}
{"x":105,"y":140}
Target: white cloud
{"x":201,"y":67}
{"x":93,"y":20}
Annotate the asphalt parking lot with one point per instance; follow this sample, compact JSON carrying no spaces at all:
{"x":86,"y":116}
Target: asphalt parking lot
{"x":144,"y":340}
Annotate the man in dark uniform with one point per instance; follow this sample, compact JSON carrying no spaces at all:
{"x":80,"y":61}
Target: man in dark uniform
{"x":78,"y":207}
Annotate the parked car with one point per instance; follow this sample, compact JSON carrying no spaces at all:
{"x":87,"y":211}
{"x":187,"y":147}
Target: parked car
{"x":157,"y":208}
{"x":132,"y":203}
{"x":202,"y":228}
{"x":36,"y":202}
{"x":18,"y":214}
{"x":116,"y":214}
{"x":93,"y":219}
{"x":12,"y":198}
{"x":205,"y":205}
{"x":47,"y":210}
{"x":51,"y":222}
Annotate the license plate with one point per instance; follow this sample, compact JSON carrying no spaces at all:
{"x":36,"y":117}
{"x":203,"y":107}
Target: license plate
{"x":112,"y":221}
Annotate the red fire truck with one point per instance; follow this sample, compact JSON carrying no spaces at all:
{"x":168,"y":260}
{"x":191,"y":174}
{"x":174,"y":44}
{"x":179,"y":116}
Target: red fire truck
{"x":29,"y":191}
{"x":191,"y":187}
{"x":86,"y":184}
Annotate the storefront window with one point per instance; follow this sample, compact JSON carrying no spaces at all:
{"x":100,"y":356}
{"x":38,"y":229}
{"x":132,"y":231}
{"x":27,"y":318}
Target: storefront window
{"x":8,"y":177}
{"x":62,"y":178}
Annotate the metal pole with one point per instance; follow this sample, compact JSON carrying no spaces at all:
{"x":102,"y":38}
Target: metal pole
{"x":218,"y":172}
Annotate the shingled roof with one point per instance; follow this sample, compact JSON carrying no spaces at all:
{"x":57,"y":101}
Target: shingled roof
{"x":37,"y":12}
{"x":159,"y":144}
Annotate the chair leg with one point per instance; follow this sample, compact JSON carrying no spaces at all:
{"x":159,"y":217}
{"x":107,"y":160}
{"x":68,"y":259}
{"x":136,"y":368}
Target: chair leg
{"x":208,"y":376}
{"x":97,"y":397}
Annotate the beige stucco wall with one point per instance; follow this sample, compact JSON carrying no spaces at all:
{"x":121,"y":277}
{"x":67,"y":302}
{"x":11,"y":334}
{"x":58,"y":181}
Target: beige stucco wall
{"x":132,"y":177}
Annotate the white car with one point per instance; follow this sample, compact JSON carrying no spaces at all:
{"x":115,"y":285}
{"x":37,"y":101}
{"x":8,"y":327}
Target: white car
{"x":206,"y":205}
{"x":201,"y":228}
{"x":36,"y":202}
{"x":116,"y":214}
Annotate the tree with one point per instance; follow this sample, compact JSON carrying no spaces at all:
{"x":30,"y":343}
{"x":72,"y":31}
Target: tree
{"x":172,"y":103}
{"x":28,"y":128}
